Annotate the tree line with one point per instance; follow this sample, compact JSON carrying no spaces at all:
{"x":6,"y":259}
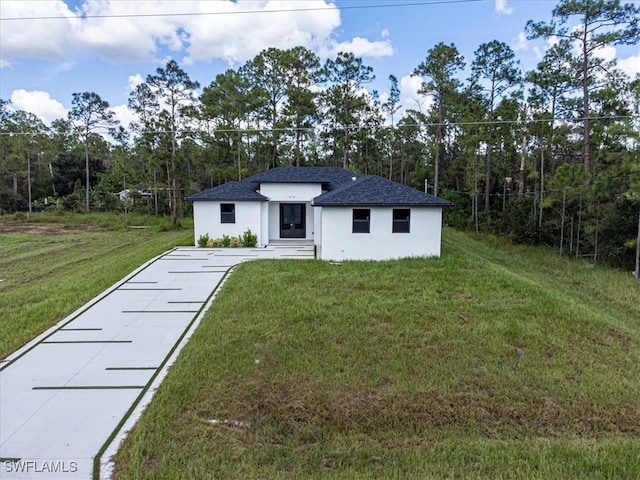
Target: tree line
{"x":548,"y":156}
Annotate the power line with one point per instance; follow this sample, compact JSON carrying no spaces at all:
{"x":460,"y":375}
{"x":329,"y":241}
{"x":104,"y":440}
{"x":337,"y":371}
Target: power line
{"x":256,"y":130}
{"x":249,"y":12}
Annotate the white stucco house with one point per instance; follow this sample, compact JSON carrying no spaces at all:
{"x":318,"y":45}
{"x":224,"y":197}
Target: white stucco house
{"x":346,"y":216}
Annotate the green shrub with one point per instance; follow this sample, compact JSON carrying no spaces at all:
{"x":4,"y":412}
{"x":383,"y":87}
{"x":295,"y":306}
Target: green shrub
{"x":249,"y":239}
{"x":203,"y":241}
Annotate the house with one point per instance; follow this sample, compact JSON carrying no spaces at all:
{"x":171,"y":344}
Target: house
{"x":346,"y":216}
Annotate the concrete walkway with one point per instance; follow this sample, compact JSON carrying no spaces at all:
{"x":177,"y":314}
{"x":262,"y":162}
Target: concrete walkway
{"x":68,"y":397}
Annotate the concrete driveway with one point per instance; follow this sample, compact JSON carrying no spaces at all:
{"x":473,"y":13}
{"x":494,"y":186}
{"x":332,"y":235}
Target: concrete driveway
{"x":68,"y":397}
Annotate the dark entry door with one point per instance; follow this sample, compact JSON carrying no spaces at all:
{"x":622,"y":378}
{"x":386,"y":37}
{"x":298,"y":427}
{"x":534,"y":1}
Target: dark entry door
{"x":292,"y":220}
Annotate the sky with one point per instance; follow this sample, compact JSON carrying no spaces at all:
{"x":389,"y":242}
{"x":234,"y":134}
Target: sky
{"x":52,"y":49}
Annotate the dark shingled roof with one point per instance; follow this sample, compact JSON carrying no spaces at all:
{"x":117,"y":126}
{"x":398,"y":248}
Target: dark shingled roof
{"x":343,"y":188}
{"x":372,"y":190}
{"x":331,"y":176}
{"x":239,"y":191}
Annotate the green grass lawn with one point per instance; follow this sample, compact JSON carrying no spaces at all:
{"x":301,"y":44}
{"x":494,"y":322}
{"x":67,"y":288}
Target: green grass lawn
{"x":64,"y":262}
{"x":493,"y":361}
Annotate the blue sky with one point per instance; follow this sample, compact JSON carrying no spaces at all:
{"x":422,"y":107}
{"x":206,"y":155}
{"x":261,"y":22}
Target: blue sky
{"x":51,"y":49}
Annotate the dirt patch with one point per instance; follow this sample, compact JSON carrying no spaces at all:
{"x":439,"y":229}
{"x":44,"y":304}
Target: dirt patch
{"x":286,"y":410}
{"x":45,"y":228}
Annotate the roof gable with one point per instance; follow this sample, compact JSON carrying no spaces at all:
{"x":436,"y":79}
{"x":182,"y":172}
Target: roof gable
{"x":238,"y":191}
{"x":331,"y":176}
{"x":372,"y":190}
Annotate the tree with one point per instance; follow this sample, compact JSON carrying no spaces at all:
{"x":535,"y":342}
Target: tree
{"x":494,"y":70}
{"x":344,"y":100}
{"x":267,"y":73}
{"x":90,"y":113}
{"x":601,"y":23}
{"x":228,"y":102}
{"x":300,"y":110}
{"x":438,"y":72}
{"x":28,"y":144}
{"x":175,"y":93}
{"x":390,"y":107}
{"x":550,"y":82}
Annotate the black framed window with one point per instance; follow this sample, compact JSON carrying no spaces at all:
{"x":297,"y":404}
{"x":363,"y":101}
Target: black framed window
{"x":227,"y":213}
{"x":401,"y":220}
{"x":361,"y":220}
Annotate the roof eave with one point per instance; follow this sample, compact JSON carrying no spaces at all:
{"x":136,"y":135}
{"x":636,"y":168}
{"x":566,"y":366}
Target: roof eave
{"x":227,"y":199}
{"x":365,"y":204}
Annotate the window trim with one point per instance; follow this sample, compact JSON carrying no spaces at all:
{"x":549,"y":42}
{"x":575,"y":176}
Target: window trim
{"x":228,"y":216}
{"x":360,"y":225}
{"x":401,"y":225}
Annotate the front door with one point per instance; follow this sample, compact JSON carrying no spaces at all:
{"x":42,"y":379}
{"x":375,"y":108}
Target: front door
{"x":292,"y":220}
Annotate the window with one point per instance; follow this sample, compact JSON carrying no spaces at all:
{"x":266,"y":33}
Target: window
{"x":401,"y":218}
{"x":227,"y":213}
{"x":361,"y":218}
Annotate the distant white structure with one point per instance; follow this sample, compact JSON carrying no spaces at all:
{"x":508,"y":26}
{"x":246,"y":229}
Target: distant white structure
{"x":129,"y":195}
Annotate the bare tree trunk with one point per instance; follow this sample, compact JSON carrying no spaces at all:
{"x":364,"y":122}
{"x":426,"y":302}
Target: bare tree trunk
{"x":298,"y":143}
{"x":53,"y":185}
{"x":436,"y":167}
{"x":595,"y":252}
{"x":487,"y":179}
{"x":523,"y":158}
{"x":86,"y":168}
{"x":571,"y":235}
{"x":346,"y":148}
{"x":579,"y":226}
{"x":475,"y":199}
{"x":29,"y":182}
{"x":155,"y":190}
{"x":585,"y":99}
{"x":637,"y":272}
{"x":541,"y":186}
{"x":564,"y":202}
{"x":239,"y":160}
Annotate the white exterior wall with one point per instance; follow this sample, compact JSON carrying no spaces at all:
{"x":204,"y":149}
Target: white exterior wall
{"x":317,"y":228}
{"x":206,"y":220}
{"x":290,"y":192}
{"x":263,"y":240}
{"x":339,"y":243}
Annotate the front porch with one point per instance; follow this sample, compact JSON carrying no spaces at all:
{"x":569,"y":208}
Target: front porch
{"x":289,"y":242}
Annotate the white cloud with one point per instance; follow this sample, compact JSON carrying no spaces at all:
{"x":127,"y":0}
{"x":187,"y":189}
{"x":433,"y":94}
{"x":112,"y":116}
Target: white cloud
{"x":40,"y":104}
{"x":607,"y":53}
{"x":124,"y":115}
{"x":248,"y":28}
{"x":409,"y":96}
{"x":502,"y":8}
{"x":122,"y":31}
{"x":520,"y":43}
{"x":360,"y":47}
{"x":134,"y":81}
{"x":630,"y":65}
{"x":43,"y":38}
{"x":538,"y":52}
